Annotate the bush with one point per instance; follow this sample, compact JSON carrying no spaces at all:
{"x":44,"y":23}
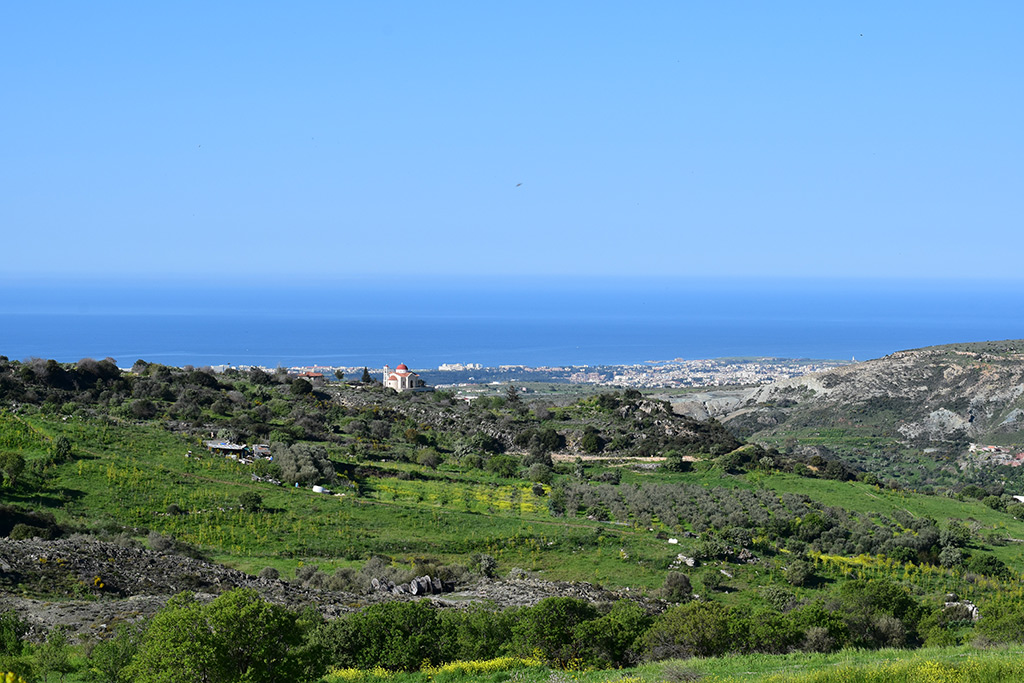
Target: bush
{"x":609,"y":641}
{"x":478,"y":633}
{"x":542,"y":474}
{"x":343,"y":579}
{"x":503,"y":465}
{"x":486,"y":565}
{"x":11,"y":465}
{"x":237,"y":637}
{"x":951,"y":557}
{"x":799,"y":573}
{"x":549,"y":630}
{"x":12,"y":630}
{"x":1001,"y":623}
{"x":110,"y":658}
{"x":251,"y":501}
{"x":677,"y":587}
{"x":592,"y":442}
{"x":168,"y":544}
{"x":778,"y":597}
{"x":696,"y":629}
{"x":270,"y":574}
{"x":24,"y":532}
{"x":300,"y":387}
{"x":989,"y":565}
{"x":879,"y":613}
{"x":399,"y":636}
{"x":160,"y":543}
{"x":712,"y":579}
{"x":771,"y":632}
{"x":54,"y":654}
{"x":955,"y":535}
{"x":994,"y":502}
{"x":303,"y":463}
{"x":428,"y":458}
{"x":818,"y":639}
{"x":306,"y":572}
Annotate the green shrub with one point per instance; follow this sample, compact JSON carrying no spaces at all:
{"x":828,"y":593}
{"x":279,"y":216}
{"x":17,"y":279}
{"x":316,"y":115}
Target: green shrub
{"x":677,"y":587}
{"x":799,"y":573}
{"x":237,"y":637}
{"x":611,"y":640}
{"x":399,"y":636}
{"x":696,"y":629}
{"x":12,"y":630}
{"x":989,"y":565}
{"x":24,"y":532}
{"x":251,"y":501}
{"x":549,"y":628}
{"x":479,"y":632}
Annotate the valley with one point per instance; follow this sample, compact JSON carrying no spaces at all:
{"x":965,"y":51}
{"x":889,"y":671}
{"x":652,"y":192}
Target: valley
{"x":782,"y":501}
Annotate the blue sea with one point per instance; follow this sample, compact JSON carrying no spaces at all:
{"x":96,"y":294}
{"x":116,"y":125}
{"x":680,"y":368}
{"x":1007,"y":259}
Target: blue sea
{"x":546,"y":322}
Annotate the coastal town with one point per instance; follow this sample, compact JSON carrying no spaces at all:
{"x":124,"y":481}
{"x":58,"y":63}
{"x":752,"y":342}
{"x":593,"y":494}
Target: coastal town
{"x":649,"y":375}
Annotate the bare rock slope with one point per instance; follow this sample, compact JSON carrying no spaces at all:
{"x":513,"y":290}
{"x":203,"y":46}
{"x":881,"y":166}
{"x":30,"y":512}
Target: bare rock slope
{"x":941,"y":393}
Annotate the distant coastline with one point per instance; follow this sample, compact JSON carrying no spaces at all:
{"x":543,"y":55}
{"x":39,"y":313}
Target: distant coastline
{"x":536,"y":324}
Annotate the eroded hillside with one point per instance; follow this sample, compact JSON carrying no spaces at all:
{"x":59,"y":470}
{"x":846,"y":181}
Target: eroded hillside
{"x":928,"y":404}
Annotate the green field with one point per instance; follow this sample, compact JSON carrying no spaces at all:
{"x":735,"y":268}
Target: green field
{"x":428,"y":484}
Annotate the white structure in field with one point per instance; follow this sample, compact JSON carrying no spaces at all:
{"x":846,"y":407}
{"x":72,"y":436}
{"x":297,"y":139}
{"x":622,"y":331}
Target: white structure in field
{"x":402,"y":379}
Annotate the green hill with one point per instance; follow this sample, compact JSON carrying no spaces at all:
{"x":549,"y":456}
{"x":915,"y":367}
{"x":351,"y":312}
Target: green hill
{"x":609,"y":497}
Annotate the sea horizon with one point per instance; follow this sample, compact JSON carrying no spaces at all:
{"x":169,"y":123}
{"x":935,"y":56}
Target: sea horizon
{"x":497,"y":321}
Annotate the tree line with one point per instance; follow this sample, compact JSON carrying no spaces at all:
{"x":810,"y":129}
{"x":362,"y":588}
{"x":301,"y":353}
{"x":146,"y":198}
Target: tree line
{"x":240,"y":636}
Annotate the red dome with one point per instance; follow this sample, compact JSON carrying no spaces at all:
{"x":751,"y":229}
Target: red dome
{"x":402,"y":366}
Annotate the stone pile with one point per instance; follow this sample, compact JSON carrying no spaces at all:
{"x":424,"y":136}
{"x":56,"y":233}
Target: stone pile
{"x":420,"y":586}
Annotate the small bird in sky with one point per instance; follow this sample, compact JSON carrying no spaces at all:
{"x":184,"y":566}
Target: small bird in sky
{"x":519,"y":184}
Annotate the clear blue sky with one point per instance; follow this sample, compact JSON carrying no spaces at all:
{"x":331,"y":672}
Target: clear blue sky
{"x":534,"y":138}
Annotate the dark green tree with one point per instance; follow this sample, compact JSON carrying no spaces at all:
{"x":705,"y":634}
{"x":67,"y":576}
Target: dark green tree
{"x":62,"y":449}
{"x":609,"y":641}
{"x":301,"y":387}
{"x":549,"y":628}
{"x":955,"y":535}
{"x":677,"y":587}
{"x":478,"y":632}
{"x":54,"y":655}
{"x":695,"y":629}
{"x":109,"y":658}
{"x":237,"y":637}
{"x":591,"y":441}
{"x":251,"y":501}
{"x":398,"y":636}
{"x":799,"y":573}
{"x":503,"y":465}
{"x":12,"y":630}
{"x":12,"y":465}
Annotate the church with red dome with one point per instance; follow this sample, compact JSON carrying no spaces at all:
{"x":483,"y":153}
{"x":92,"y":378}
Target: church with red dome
{"x":403,"y":379}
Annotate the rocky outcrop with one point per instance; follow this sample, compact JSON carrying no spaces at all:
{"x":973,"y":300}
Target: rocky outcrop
{"x":89,"y":586}
{"x":937,"y":393}
{"x":90,"y":570}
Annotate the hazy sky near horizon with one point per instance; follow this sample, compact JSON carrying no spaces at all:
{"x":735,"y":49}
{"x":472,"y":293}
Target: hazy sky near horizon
{"x":869,"y":139}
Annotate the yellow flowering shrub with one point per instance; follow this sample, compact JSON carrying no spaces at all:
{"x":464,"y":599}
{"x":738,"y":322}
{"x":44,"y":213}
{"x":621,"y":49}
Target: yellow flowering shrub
{"x":357,"y":675}
{"x":469,"y":669}
{"x":483,"y":666}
